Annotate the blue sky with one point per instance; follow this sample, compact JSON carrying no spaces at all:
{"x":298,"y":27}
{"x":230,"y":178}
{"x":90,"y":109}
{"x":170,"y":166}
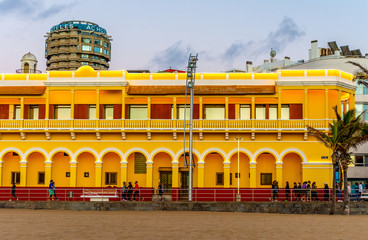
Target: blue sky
{"x":158,"y":34}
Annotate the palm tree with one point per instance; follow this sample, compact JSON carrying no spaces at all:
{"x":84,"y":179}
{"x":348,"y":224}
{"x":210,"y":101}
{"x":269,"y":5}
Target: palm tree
{"x":342,"y":136}
{"x":356,"y":134}
{"x":362,"y":73}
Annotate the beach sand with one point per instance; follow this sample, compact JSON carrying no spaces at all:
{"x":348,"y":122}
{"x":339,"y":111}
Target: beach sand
{"x":66,"y":224}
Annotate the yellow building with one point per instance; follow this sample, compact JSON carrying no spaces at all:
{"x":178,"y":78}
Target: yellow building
{"x":90,"y":128}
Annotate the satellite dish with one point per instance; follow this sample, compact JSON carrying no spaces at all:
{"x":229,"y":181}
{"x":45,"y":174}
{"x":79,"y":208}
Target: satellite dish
{"x":272,"y":53}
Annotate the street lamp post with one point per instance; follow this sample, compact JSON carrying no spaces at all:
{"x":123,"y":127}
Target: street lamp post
{"x":238,"y":198}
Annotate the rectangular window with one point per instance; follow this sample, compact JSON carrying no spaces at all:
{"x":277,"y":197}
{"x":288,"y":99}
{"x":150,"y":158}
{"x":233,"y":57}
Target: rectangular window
{"x":97,"y":49}
{"x":266,"y":178}
{"x":41,"y":177}
{"x":245,"y":112}
{"x":106,"y":45}
{"x":214,"y":111}
{"x":108,"y":112}
{"x":95,"y":64}
{"x":92,"y":112}
{"x":361,"y":161}
{"x":84,"y":63}
{"x":219,"y":178}
{"x":361,"y":90}
{"x":16,"y":112}
{"x":15,"y":177}
{"x":139,"y":163}
{"x":260,"y":111}
{"x":95,"y":57}
{"x":272,"y":111}
{"x":138,"y":111}
{"x":106,"y":52}
{"x":181,"y":111}
{"x":285,"y":112}
{"x":98,"y":42}
{"x":86,"y":40}
{"x":33,"y":112}
{"x":84,"y":56}
{"x":111,"y":178}
{"x":62,"y":112}
{"x":86,"y":48}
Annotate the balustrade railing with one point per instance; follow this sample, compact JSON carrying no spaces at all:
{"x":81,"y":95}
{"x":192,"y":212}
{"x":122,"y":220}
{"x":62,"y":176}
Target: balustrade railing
{"x":199,"y":194}
{"x":163,"y":124}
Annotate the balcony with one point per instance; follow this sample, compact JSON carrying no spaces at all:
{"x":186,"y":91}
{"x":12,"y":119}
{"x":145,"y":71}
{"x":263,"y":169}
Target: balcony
{"x":163,"y":125}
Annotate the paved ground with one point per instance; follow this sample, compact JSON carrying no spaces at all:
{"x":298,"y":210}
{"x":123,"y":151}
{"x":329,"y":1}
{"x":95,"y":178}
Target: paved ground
{"x":65,"y":224}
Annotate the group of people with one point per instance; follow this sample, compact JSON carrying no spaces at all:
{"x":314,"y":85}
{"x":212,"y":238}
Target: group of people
{"x":129,"y":193}
{"x":357,"y":191}
{"x":305,"y":192}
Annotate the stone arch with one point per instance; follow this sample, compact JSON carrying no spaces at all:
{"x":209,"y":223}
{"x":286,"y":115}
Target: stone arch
{"x":60,"y":159}
{"x":36,"y":149}
{"x":86,"y":149}
{"x":162,"y":168}
{"x":11,"y":149}
{"x":295,"y":150}
{"x":137,"y":149}
{"x":136,"y":164}
{"x":266,"y":150}
{"x":86,"y":167}
{"x":241,"y":150}
{"x":11,"y":166}
{"x":244,"y":167}
{"x":211,"y":150}
{"x":292,"y":170}
{"x":214,"y":165}
{"x":35,"y":168}
{"x":111,"y":168}
{"x":181,"y":151}
{"x":108,"y":150}
{"x":266,"y":166}
{"x":61,"y":149}
{"x":159,"y":150}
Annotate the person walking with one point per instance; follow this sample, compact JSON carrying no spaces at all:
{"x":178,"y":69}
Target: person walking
{"x":360,"y":186}
{"x":161,"y":191}
{"x":130,"y":191}
{"x":136,"y":192}
{"x":339,"y":192}
{"x":327,"y":193}
{"x":13,"y":193}
{"x":314,"y":192}
{"x":124,"y":193}
{"x":287,"y":191}
{"x":295,"y":189}
{"x":52,"y":194}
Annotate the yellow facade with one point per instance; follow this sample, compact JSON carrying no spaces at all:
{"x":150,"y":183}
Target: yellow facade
{"x":101,"y":150}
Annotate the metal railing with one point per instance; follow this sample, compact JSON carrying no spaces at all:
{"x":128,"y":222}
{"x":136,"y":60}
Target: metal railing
{"x":276,"y":125}
{"x":175,"y":195}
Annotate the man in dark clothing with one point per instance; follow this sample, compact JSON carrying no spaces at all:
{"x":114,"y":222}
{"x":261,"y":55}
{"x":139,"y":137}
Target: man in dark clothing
{"x":327,"y":192}
{"x":13,"y":192}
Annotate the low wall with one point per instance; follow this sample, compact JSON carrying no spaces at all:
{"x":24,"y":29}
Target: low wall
{"x":357,"y":208}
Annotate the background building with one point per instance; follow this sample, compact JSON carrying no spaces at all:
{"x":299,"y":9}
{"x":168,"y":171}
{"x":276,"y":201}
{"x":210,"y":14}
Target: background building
{"x":331,"y":57}
{"x":72,"y":44}
{"x":28,"y":64}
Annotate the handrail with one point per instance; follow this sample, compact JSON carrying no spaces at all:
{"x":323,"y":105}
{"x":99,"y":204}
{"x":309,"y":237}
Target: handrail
{"x":162,"y":124}
{"x":199,"y":194}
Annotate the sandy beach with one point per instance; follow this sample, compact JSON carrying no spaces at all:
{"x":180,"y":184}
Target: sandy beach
{"x":65,"y":224}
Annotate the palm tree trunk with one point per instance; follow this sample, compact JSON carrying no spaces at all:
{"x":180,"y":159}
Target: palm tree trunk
{"x":333,"y":202}
{"x":346,"y":209}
